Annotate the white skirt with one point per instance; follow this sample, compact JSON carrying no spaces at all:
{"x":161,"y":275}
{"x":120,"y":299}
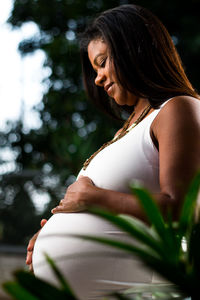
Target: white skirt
{"x":93,"y":270}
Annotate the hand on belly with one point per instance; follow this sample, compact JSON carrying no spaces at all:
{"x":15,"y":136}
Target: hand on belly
{"x":77,"y":197}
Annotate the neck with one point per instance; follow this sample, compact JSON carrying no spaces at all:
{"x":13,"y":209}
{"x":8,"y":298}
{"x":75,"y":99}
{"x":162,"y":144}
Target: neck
{"x":141,"y":104}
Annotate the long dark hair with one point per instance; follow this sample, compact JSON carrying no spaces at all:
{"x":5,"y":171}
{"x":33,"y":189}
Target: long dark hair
{"x":145,"y":59}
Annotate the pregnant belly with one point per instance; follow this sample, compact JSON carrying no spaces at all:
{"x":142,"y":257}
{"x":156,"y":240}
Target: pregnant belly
{"x":91,"y":269}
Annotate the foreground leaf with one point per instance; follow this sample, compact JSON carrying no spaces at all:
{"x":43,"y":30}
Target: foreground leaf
{"x":65,"y":286}
{"x":166,"y":233}
{"x":38,"y":287}
{"x":187,"y":212}
{"x":194,"y":250}
{"x":18,"y":292}
{"x":150,"y":208}
{"x":133,"y":227}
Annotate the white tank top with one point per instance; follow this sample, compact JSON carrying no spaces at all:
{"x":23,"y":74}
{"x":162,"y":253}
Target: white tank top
{"x":134,"y":157}
{"x":90,"y":268}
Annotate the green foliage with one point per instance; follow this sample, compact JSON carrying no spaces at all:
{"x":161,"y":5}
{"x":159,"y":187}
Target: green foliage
{"x":28,"y":287}
{"x":170,"y":248}
{"x":47,"y":159}
{"x":160,"y":247}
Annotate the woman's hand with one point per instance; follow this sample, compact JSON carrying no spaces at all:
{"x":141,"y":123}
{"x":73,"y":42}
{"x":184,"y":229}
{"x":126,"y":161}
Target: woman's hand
{"x":30,"y":246}
{"x":77,"y":196}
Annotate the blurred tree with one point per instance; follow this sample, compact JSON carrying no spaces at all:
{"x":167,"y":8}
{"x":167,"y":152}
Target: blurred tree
{"x":48,"y":159}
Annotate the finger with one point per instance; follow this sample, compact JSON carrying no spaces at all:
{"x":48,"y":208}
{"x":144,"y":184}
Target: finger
{"x":31,"y":268}
{"x":57,"y":209}
{"x":61,"y":202}
{"x":33,"y":239}
{"x":32,"y":243}
{"x":65,"y":209}
{"x":43,"y":222}
{"x":29,"y":257}
{"x":87,"y":178}
{"x":91,"y":181}
{"x":69,"y":208}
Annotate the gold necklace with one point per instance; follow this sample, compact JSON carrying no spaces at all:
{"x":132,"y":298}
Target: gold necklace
{"x":125,"y":129}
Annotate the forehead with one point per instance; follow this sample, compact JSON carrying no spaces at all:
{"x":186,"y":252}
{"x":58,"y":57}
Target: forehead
{"x":96,"y":48}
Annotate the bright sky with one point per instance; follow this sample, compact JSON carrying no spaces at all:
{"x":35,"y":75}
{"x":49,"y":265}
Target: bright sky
{"x":20,"y":78}
{"x":20,"y":82}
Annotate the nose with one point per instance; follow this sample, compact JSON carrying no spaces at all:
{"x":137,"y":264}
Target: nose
{"x":100,"y":78}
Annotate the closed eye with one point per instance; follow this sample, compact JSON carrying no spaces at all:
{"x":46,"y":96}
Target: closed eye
{"x":103,"y":62}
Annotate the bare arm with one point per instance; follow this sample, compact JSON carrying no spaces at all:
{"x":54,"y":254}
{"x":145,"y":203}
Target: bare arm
{"x":176,"y":130}
{"x":83,"y":194}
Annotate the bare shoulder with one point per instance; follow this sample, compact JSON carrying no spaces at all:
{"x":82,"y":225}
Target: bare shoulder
{"x":178,"y":112}
{"x":182,"y":103}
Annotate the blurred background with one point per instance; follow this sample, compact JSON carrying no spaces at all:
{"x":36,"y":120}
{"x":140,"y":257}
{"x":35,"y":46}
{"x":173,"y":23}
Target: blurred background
{"x":47,"y":126}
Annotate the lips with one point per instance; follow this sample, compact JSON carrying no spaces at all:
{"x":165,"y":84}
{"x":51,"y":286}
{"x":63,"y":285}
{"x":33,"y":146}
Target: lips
{"x":107,"y":86}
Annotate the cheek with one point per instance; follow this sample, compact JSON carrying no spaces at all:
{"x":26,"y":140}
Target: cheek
{"x":121,"y":95}
{"x":111,"y":71}
{"x":121,"y":91}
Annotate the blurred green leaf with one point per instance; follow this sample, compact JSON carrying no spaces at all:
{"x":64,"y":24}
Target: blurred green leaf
{"x":150,"y":208}
{"x":39,"y":288}
{"x":194,"y":250}
{"x":187,"y":212}
{"x":134,"y":227}
{"x":18,"y":292}
{"x":66,"y":288}
{"x":153,"y":213}
{"x":158,"y":247}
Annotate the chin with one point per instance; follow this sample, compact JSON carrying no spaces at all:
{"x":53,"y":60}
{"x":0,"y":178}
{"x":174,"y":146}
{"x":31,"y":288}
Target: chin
{"x":123,"y":100}
{"x":123,"y":103}
{"x":120,"y":101}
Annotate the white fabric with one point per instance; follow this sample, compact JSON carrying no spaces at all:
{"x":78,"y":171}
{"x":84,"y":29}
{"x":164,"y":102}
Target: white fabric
{"x":133,"y":157}
{"x":90,"y":268}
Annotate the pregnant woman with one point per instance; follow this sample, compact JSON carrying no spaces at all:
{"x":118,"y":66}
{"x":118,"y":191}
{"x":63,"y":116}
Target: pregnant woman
{"x":129,"y":63}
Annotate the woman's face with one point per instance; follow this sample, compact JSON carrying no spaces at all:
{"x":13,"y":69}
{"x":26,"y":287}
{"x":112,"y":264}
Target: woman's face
{"x":106,"y":78}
